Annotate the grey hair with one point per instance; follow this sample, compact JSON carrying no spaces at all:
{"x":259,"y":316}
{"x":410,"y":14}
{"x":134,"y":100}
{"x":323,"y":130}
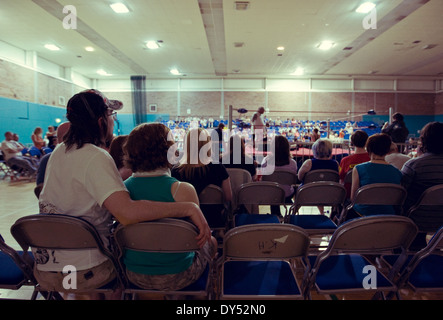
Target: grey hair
{"x":322,"y":148}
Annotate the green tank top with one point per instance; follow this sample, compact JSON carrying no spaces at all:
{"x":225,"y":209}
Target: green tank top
{"x":156,"y":189}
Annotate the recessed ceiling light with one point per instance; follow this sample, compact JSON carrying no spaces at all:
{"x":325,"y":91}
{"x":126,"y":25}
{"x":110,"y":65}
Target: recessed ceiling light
{"x":152,"y":45}
{"x":365,"y":7}
{"x":174,"y":71}
{"x":298,"y":72}
{"x":325,"y":45}
{"x":119,"y":7}
{"x":52,"y":47}
{"x":90,"y":49}
{"x":103,"y":72}
{"x":281,"y":48}
{"x":241,"y":5}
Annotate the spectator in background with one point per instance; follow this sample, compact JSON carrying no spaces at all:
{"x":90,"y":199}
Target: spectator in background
{"x":315,"y":135}
{"x":237,"y":158}
{"x":360,"y":155}
{"x":37,"y":139}
{"x":377,"y":170}
{"x":14,"y":158}
{"x":396,"y":158}
{"x":196,"y":168}
{"x":424,"y":171}
{"x":116,"y":152}
{"x":51,"y":136}
{"x":397,"y":130}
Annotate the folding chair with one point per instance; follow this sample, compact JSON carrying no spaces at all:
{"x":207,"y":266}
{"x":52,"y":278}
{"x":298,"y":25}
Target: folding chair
{"x":213,"y":195}
{"x":344,"y":266}
{"x":62,"y":232}
{"x":283,"y":177}
{"x":254,"y":194}
{"x":321,"y":175}
{"x":258,"y":262}
{"x":319,"y":193}
{"x":424,"y":273}
{"x":15,"y":272}
{"x":166,"y":236}
{"x":237,"y":177}
{"x":385,"y":194}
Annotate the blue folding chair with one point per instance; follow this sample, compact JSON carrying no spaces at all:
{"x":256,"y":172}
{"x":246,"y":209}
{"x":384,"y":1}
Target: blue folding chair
{"x":259,"y":262}
{"x":345,"y":267}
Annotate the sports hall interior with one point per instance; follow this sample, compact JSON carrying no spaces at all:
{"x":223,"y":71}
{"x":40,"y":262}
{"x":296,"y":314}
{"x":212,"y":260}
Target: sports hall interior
{"x":317,"y":61}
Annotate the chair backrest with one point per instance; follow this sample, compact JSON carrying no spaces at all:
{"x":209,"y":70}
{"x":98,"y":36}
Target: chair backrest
{"x":428,"y":212}
{"x":164,"y":235}
{"x":320,"y":193}
{"x":238,"y":177}
{"x":212,"y":194}
{"x":381,"y":194}
{"x":321,"y":175}
{"x":25,"y":264}
{"x":348,"y":177}
{"x":373,"y":234}
{"x":265,"y":241}
{"x":260,"y":193}
{"x":285,"y":177}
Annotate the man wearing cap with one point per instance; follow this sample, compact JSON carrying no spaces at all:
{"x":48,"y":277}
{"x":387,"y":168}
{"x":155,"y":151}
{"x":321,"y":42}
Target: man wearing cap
{"x":82,"y":180}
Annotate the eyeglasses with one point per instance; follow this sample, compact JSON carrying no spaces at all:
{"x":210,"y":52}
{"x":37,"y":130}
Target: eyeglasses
{"x":113,"y":115}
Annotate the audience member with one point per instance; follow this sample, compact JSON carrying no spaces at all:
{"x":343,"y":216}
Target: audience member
{"x":377,"y":170}
{"x":360,"y":155}
{"x":217,"y":136}
{"x":280,"y":159}
{"x":61,"y":131}
{"x":322,"y":160}
{"x":425,"y":171}
{"x":51,"y":136}
{"x":146,"y":154}
{"x":37,"y":138}
{"x":397,"y":130}
{"x":258,"y":126}
{"x":315,"y":135}
{"x":14,"y":158}
{"x":197,"y":168}
{"x":82,"y":180}
{"x":116,"y":152}
{"x":237,"y":158}
{"x":396,"y":158}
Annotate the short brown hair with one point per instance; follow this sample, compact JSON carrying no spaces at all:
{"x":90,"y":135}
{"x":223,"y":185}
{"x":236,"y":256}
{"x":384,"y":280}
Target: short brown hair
{"x":146,"y":148}
{"x":379,"y":144}
{"x":359,"y":138}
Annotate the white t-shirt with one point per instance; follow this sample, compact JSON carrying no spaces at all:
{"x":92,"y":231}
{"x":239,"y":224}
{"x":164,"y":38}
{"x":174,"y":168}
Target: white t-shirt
{"x":77,"y":182}
{"x":10,"y":149}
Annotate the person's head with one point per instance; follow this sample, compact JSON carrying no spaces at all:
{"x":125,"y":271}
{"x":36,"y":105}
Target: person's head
{"x":280,"y":147}
{"x":197,"y":147}
{"x":322,"y":149}
{"x":221,"y":125}
{"x":51,"y":128}
{"x":431,"y":138}
{"x":8,"y":135}
{"x":236,"y":146}
{"x":38,"y":131}
{"x":116,"y":150}
{"x":393,"y":148}
{"x":92,"y":117}
{"x":261,"y":110}
{"x":359,"y":138}
{"x":379,"y":144}
{"x":397,"y":117}
{"x":15,"y":136}
{"x":62,"y":129}
{"x":147,"y":146}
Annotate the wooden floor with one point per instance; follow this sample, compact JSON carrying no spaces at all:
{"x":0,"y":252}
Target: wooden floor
{"x":17,"y":199}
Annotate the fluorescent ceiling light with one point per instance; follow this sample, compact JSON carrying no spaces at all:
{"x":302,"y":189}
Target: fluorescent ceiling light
{"x":326,"y":45}
{"x":152,"y":45}
{"x":298,"y":72}
{"x":52,"y":47}
{"x":90,"y":49}
{"x":103,"y":72}
{"x":365,"y":7}
{"x":174,"y":71}
{"x":119,"y":7}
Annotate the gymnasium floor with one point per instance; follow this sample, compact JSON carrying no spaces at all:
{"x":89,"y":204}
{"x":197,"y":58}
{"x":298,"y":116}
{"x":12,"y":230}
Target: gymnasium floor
{"x":17,"y":200}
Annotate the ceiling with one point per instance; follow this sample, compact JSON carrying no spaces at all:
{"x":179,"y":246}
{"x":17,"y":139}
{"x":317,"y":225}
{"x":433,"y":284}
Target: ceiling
{"x":210,"y":38}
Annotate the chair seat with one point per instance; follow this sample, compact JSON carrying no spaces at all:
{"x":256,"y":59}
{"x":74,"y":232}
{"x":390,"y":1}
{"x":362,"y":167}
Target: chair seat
{"x":198,"y":286}
{"x":312,"y":221}
{"x":346,"y":272}
{"x":10,"y":274}
{"x":259,"y":278}
{"x":428,"y":273}
{"x":242,"y":219}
